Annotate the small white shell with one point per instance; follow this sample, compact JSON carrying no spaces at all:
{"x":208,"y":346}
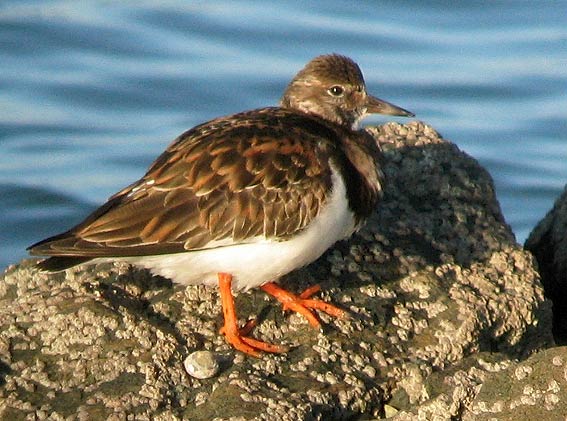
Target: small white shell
{"x":202,"y":364}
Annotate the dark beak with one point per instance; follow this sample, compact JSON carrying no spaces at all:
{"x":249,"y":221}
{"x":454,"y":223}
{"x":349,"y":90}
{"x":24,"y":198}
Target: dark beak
{"x":377,"y":106}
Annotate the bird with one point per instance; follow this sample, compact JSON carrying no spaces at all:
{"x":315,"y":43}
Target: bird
{"x":239,"y":201}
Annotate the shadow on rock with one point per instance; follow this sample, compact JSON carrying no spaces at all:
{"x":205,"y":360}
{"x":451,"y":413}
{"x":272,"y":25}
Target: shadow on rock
{"x":548,"y":243}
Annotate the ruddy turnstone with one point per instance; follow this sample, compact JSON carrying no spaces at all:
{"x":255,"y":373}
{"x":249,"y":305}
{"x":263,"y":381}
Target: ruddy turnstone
{"x":241,"y":200}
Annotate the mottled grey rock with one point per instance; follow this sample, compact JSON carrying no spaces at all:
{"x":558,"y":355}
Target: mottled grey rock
{"x":548,"y":243}
{"x":490,"y":387}
{"x":434,"y":280}
{"x":529,"y":390}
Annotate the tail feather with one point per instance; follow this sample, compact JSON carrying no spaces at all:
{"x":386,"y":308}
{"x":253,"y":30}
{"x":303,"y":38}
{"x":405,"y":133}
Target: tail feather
{"x":59,"y":263}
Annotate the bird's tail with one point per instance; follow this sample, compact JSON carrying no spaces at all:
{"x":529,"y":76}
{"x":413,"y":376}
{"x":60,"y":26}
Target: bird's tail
{"x":59,"y":263}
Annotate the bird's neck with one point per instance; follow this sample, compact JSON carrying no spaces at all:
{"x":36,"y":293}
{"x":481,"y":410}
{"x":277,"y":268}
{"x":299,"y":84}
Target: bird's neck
{"x":363,"y":169}
{"x":348,"y":121}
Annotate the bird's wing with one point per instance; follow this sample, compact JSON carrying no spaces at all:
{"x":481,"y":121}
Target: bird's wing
{"x":257,"y":175}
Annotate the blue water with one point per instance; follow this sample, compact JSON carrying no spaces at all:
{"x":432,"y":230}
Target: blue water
{"x":91,"y":92}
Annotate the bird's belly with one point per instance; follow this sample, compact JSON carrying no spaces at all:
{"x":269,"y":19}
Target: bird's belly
{"x":253,"y":264}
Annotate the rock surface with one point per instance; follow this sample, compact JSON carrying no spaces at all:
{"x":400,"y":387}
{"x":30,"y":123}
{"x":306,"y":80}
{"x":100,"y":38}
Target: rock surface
{"x":490,"y":387}
{"x":442,"y":303}
{"x":548,"y":243}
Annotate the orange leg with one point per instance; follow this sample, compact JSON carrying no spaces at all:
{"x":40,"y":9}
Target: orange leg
{"x":235,"y":336}
{"x":302,"y":303}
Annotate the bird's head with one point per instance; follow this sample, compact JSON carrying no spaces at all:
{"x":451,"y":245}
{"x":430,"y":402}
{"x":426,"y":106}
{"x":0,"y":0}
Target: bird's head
{"x":332,"y":87}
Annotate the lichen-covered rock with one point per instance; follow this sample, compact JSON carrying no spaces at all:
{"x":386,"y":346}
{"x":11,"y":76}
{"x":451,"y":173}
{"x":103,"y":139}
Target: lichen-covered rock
{"x":434,"y":279}
{"x":548,"y":243}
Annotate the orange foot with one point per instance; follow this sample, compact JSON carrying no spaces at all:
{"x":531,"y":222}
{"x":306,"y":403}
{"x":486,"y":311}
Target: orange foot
{"x":235,"y":336}
{"x":302,"y":303}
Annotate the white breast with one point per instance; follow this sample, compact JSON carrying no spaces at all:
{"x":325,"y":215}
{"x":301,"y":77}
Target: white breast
{"x":254,"y":264}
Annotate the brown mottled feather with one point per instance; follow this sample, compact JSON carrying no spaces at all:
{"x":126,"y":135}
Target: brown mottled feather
{"x":227,"y":181}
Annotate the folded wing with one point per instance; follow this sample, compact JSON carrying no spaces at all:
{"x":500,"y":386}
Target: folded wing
{"x":258,"y":175}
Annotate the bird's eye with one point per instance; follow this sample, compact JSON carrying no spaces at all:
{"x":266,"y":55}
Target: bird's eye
{"x":336,"y":90}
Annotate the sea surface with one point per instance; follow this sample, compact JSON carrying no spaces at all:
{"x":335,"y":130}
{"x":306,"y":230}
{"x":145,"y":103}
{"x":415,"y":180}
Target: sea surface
{"x":92,"y":91}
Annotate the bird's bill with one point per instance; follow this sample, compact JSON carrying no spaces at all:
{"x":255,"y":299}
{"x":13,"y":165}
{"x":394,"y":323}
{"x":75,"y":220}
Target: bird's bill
{"x":378,"y":106}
